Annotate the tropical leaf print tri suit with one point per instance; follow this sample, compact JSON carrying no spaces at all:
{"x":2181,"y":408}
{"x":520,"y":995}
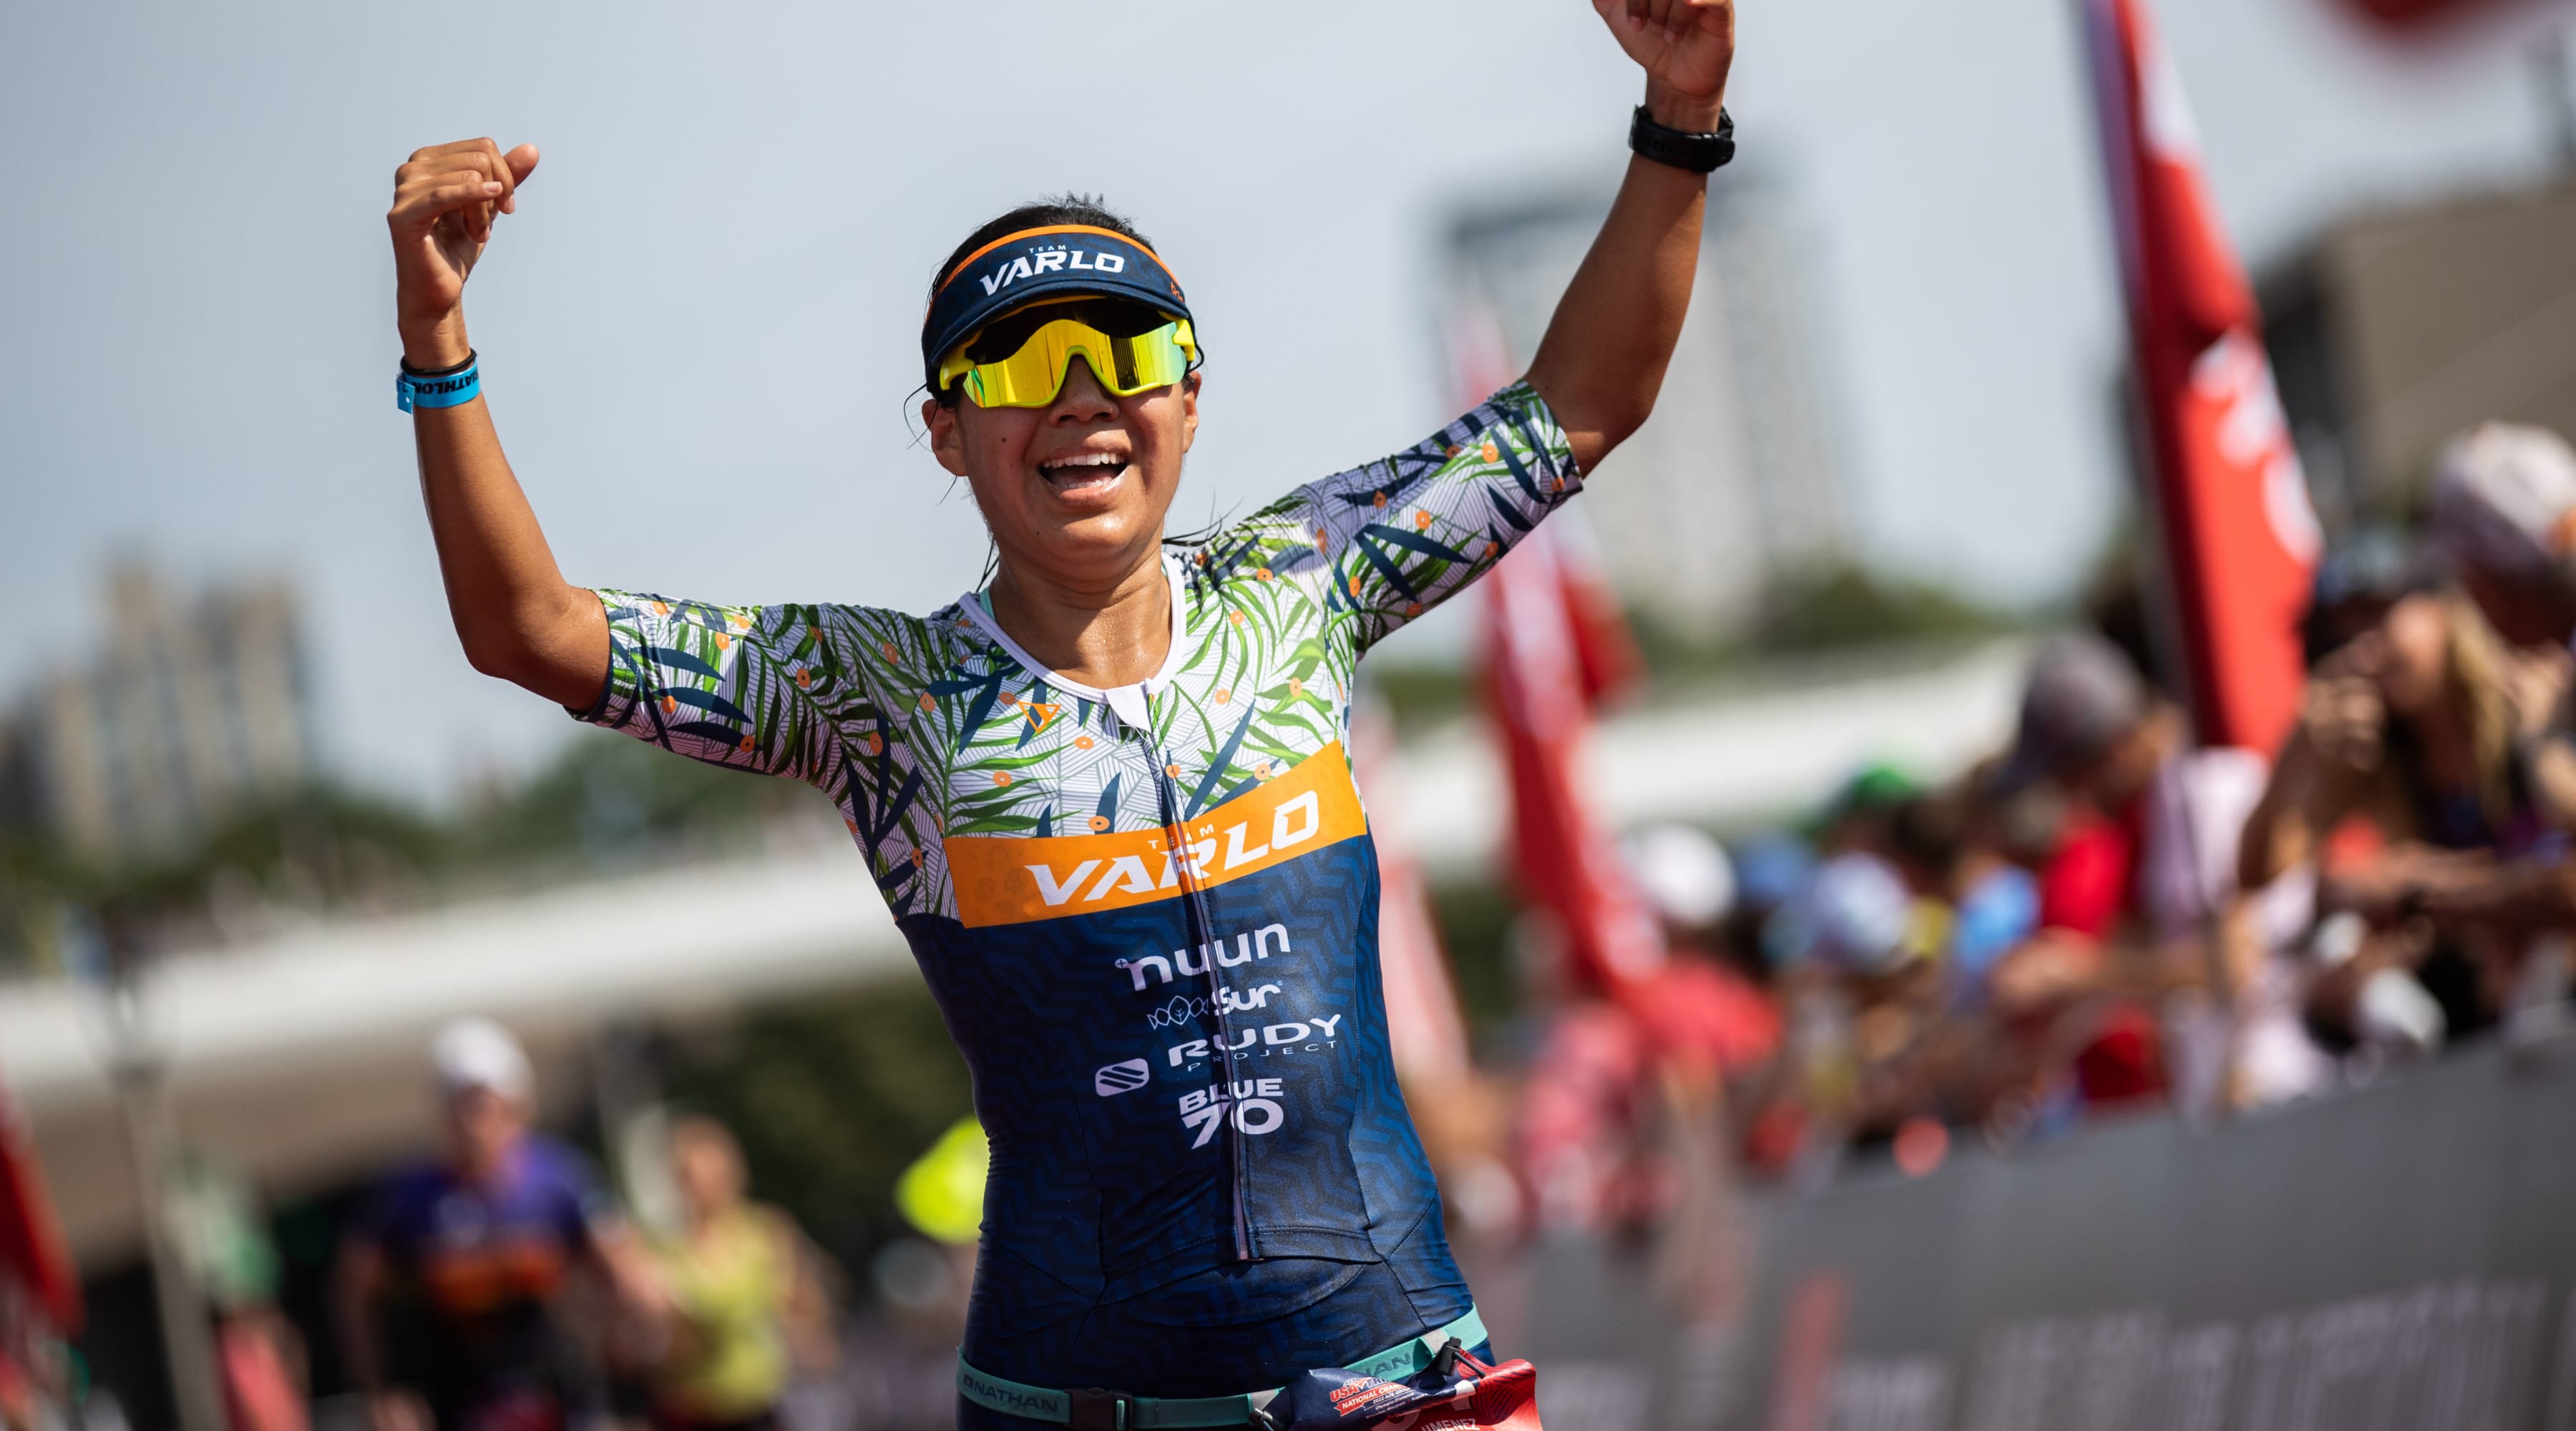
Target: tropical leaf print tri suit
{"x":1149,"y":914}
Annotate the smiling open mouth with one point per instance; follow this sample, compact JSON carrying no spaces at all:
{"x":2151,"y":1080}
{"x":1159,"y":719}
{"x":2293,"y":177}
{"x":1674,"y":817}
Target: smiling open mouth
{"x":1082,"y":471}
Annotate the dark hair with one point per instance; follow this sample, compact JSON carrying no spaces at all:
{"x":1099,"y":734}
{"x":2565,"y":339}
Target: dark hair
{"x":1089,"y":210}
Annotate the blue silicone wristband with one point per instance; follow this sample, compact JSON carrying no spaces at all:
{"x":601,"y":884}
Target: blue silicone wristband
{"x":416,"y":390}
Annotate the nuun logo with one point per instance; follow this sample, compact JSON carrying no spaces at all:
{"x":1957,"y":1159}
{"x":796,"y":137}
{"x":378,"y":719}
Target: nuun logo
{"x":1048,"y":261}
{"x":1120,"y":1078}
{"x":1247,"y":947}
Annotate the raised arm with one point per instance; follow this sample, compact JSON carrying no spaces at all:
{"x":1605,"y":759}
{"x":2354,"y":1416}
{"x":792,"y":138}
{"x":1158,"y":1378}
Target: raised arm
{"x":516,"y":615}
{"x":1603,"y":358}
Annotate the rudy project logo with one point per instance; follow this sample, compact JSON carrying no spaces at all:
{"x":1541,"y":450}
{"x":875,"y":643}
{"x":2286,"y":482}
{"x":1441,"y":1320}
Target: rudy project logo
{"x":1012,"y":879}
{"x":1117,"y":1078}
{"x":1315,"y":1034}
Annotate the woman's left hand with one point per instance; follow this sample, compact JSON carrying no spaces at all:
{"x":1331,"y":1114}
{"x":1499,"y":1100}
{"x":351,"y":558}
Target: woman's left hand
{"x":1685,"y":48}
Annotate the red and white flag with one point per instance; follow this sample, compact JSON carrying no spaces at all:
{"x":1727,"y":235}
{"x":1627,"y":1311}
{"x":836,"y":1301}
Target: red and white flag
{"x":2240,"y":541}
{"x":1557,"y":646}
{"x":1551,"y":652}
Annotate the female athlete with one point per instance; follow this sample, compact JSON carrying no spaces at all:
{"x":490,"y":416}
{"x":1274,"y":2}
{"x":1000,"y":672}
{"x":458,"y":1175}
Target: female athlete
{"x":1105,"y":795}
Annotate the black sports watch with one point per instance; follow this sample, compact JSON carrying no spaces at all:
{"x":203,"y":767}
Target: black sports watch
{"x":1699,"y":153}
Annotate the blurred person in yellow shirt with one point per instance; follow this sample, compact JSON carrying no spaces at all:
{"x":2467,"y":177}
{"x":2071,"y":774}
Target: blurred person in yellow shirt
{"x":744,"y":1312}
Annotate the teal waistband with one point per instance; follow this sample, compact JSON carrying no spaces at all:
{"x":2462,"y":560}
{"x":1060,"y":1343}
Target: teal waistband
{"x":1097,"y":1410}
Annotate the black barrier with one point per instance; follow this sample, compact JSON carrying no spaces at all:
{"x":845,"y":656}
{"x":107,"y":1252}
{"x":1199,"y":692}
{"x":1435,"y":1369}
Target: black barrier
{"x":2395,"y":1257}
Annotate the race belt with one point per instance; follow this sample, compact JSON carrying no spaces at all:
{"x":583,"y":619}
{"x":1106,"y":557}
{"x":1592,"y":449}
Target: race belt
{"x":1095,"y":1409}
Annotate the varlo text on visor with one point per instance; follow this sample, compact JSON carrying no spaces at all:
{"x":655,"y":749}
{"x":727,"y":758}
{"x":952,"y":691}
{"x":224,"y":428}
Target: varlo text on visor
{"x":1008,"y":321}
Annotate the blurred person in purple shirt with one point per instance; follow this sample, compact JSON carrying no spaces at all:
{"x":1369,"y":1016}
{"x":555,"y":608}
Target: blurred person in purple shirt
{"x":464,"y":1258}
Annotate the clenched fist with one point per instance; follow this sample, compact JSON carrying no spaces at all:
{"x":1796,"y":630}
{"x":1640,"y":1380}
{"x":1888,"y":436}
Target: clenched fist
{"x":1685,"y":48}
{"x":445,"y":199}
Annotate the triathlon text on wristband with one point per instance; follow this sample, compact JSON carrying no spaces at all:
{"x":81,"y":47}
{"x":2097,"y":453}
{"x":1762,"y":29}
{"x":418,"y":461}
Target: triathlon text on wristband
{"x":418,"y":390}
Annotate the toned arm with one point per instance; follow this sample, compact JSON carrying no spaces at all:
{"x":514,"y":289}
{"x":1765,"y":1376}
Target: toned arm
{"x":516,"y":616}
{"x":1603,"y":357}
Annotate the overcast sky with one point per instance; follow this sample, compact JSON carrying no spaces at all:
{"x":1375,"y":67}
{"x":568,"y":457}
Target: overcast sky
{"x":699,"y":331}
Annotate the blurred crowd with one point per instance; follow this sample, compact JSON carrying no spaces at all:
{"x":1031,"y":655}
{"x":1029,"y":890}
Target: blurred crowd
{"x":497,"y":1286}
{"x":2100,"y":917}
{"x":2105,"y":915}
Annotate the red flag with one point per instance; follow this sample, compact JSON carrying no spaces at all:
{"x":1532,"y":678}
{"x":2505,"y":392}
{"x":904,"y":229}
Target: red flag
{"x":32,"y":1253}
{"x":1557,"y":646}
{"x":2231,"y":505}
{"x":1540,"y":679}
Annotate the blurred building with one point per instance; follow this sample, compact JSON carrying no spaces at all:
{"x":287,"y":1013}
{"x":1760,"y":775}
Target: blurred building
{"x":187,"y":711}
{"x":2391,"y":331}
{"x":1735,"y":481}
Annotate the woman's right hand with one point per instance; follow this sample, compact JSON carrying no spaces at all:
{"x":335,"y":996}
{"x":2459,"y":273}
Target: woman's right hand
{"x":445,"y":200}
{"x":2342,"y":714}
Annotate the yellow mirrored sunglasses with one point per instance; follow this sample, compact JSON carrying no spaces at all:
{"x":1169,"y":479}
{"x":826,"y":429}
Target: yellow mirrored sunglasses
{"x":1020,"y":361}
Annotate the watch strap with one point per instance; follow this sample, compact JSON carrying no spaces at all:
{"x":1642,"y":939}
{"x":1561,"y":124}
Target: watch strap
{"x":1681,"y":148}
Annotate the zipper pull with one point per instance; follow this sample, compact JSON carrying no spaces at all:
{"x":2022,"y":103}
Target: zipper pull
{"x":1128,"y":704}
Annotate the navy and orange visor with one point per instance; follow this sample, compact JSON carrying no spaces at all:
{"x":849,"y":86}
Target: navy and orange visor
{"x":1007,"y":323}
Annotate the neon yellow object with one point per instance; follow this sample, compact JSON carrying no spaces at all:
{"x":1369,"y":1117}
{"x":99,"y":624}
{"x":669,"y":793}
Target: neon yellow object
{"x":942,"y":1193}
{"x":1030,"y":372}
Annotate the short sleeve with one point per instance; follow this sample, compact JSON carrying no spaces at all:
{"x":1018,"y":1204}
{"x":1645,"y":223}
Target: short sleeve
{"x":1389,"y":541}
{"x":756,"y":688}
{"x":577,"y":1204}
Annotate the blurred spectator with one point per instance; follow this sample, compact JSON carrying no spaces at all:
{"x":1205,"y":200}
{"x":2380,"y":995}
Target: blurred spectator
{"x":2423,"y":761}
{"x":2143,"y":943}
{"x":744,"y":1310}
{"x":1861,"y":815}
{"x":1771,"y":870}
{"x":458,"y":1269}
{"x":1701,"y":1010}
{"x":1853,"y":979}
{"x":1853,"y":918}
{"x":1620,"y":1089}
{"x":2504,"y":512}
{"x":259,"y":1355}
{"x":2358,"y":579}
{"x":2418,"y":724}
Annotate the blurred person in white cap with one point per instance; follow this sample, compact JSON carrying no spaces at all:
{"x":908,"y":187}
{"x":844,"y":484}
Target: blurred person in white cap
{"x":1684,"y":874}
{"x":1602,"y":1120}
{"x":1865,"y":994}
{"x":458,"y":1268}
{"x":2504,"y":513}
{"x":1710,"y":1008}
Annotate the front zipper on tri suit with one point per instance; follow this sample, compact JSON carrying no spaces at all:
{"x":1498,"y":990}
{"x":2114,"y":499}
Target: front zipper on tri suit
{"x":1201,"y":931}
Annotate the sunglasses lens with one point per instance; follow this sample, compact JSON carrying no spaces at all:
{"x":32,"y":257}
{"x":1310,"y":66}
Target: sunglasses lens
{"x":1030,"y":372}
